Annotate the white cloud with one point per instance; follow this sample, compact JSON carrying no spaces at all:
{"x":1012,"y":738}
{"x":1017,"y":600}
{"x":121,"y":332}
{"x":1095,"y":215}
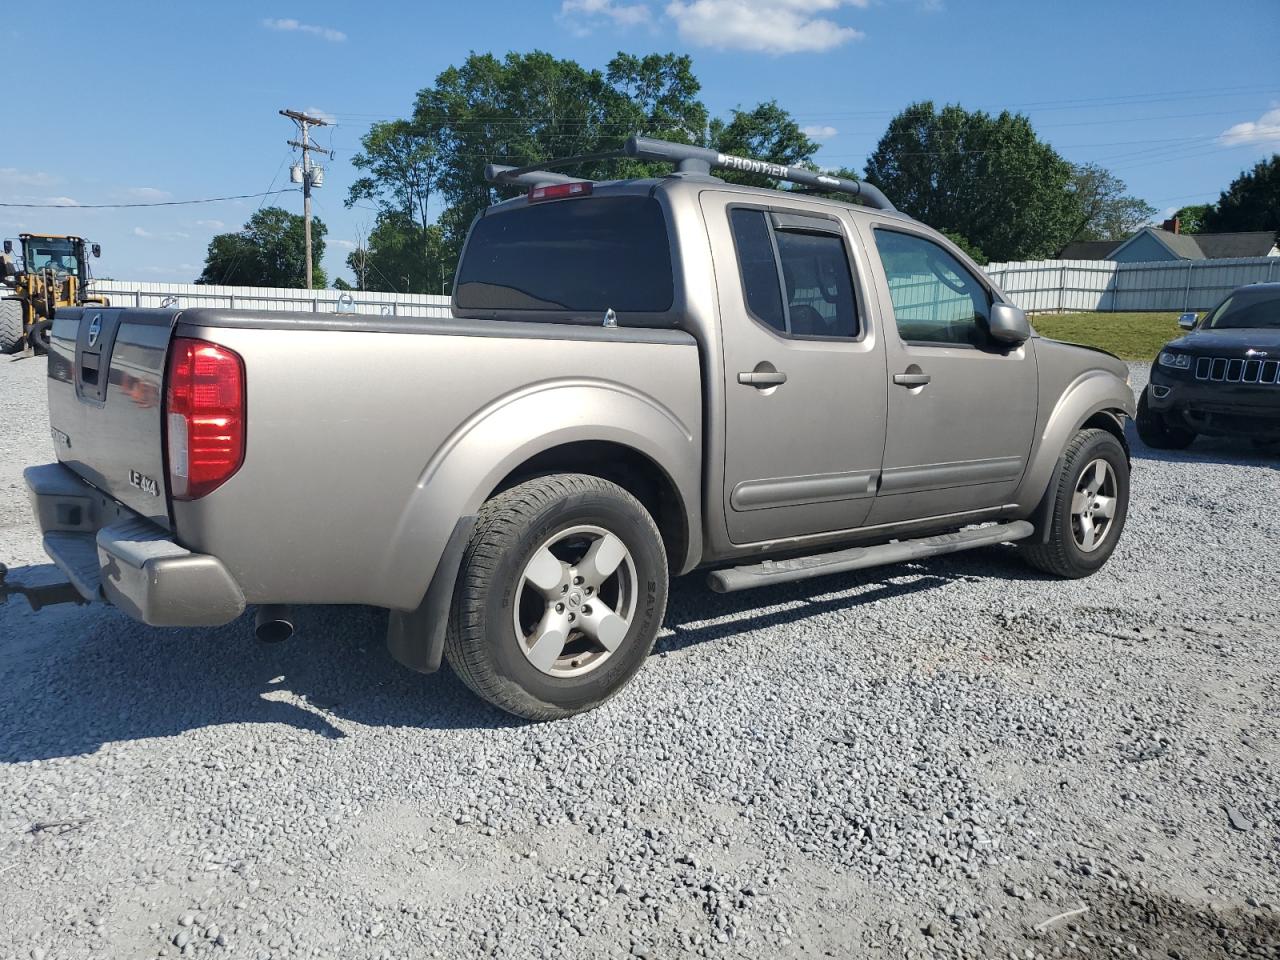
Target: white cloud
{"x":27,"y":178}
{"x":61,"y":201}
{"x":324,"y":115}
{"x":1266,"y":129}
{"x":148,"y":193}
{"x":586,"y":13}
{"x":148,"y":235}
{"x":289,"y":25}
{"x":768,"y":26}
{"x":210,"y":224}
{"x":344,"y":244}
{"x":819,"y":131}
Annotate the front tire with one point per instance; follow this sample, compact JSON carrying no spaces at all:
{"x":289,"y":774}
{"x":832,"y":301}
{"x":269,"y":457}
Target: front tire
{"x":1155,"y":430}
{"x":562,"y":590}
{"x":1090,"y":504}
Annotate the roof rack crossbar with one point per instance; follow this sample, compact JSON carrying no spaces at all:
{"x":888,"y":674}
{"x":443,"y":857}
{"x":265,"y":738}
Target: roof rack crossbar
{"x":691,"y":160}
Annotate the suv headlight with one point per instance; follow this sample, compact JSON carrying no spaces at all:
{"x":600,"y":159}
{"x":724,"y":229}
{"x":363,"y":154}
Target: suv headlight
{"x":1179,"y":361}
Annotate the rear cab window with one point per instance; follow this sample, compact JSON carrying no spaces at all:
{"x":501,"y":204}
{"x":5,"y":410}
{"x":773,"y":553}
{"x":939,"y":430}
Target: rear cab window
{"x":570,"y":259}
{"x":796,"y":278}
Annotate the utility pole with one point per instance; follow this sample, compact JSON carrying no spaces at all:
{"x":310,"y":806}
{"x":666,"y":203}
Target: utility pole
{"x":305,"y":122}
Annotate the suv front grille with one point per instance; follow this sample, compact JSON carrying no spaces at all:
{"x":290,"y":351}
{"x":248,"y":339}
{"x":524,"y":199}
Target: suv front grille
{"x":1236,"y":370}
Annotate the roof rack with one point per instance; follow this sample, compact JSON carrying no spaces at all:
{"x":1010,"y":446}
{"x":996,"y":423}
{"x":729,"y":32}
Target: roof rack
{"x":689,"y":160}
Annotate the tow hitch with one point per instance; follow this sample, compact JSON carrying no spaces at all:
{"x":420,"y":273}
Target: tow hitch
{"x":45,"y":595}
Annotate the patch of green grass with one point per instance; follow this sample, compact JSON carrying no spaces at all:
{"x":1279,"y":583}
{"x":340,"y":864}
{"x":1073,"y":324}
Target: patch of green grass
{"x":1131,"y":336}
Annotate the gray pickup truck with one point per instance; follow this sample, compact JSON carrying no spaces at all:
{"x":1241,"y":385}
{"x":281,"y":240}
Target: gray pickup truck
{"x":641,"y":378}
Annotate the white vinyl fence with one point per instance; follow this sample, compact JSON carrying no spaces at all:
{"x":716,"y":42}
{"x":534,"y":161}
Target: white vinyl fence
{"x":129,"y":293}
{"x":1036,"y":286}
{"x":1178,"y":285}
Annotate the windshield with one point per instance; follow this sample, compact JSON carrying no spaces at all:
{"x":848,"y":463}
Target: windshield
{"x":1246,"y":309}
{"x":576,"y":257}
{"x":58,"y":255}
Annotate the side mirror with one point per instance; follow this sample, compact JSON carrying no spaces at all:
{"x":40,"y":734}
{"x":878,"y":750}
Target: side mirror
{"x":1008,"y":324}
{"x":1187,"y":321}
{"x":8,"y":246}
{"x":97,"y":250}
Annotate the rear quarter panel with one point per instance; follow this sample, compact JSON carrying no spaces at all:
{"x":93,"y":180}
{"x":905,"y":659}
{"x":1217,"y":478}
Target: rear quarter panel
{"x":364,"y":447}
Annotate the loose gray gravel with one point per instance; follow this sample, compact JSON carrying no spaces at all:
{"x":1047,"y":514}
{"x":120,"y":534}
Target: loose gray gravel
{"x":931,"y":759}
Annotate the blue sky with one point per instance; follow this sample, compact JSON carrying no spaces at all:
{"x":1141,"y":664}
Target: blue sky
{"x":172,"y":101}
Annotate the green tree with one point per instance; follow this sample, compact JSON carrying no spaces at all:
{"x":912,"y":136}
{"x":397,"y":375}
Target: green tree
{"x":270,"y":251}
{"x":401,"y":257}
{"x":987,"y":178}
{"x":1251,"y":202}
{"x":1104,"y":211}
{"x":398,"y":161}
{"x":1192,"y":219}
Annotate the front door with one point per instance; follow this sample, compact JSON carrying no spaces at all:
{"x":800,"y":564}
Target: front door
{"x":962,"y":408}
{"x":804,"y":371}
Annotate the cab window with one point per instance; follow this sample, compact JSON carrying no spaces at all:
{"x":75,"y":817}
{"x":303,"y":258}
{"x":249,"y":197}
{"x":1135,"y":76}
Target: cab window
{"x":795,"y":281}
{"x":936,"y":299}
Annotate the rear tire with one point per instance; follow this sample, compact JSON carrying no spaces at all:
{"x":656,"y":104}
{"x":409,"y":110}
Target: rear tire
{"x":561,"y":593}
{"x":1155,"y":430}
{"x":1090,"y":504}
{"x":10,"y":325}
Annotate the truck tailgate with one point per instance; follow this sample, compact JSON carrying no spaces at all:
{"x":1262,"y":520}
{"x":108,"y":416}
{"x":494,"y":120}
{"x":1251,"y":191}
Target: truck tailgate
{"x":106,"y":393}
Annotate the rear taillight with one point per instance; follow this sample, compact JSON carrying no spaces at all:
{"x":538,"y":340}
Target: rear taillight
{"x":204,"y":416}
{"x":559,"y":191}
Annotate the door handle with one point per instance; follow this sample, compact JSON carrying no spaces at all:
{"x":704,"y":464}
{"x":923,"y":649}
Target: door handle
{"x":762,"y":378}
{"x":911,"y":379}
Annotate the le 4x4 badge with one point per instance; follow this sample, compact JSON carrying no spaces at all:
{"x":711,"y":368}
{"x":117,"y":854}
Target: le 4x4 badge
{"x":143,"y":483}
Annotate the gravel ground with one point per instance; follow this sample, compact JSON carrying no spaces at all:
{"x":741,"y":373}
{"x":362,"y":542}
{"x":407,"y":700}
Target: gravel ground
{"x":930,"y":759}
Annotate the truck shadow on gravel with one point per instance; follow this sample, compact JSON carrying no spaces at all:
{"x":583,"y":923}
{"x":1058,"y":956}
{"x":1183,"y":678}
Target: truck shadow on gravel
{"x":76,"y":678}
{"x":1125,"y":923}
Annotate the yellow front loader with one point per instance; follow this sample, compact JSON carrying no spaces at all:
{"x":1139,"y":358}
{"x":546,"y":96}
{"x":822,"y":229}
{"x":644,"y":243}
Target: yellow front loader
{"x":53,"y":272}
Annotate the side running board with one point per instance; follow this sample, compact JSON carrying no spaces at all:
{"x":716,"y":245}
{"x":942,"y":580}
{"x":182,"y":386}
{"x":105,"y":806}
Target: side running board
{"x":858,"y":558}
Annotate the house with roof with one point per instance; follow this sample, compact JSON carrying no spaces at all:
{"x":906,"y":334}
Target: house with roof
{"x":1168,"y":242}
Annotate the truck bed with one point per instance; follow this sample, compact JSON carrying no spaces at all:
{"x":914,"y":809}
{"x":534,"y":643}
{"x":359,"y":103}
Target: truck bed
{"x":358,"y":431}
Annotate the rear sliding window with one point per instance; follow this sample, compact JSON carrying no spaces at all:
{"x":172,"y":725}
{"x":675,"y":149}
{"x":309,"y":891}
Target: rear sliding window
{"x":579,"y":256}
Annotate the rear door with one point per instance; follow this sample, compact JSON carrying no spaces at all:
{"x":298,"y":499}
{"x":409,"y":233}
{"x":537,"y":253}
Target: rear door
{"x":962,"y":408}
{"x":106,"y":381}
{"x":804,"y":371}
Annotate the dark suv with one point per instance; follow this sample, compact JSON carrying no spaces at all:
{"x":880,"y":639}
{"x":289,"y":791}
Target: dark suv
{"x":1222,"y":378}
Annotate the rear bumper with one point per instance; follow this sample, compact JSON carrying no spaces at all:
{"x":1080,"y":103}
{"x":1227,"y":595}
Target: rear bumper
{"x":110,"y":553}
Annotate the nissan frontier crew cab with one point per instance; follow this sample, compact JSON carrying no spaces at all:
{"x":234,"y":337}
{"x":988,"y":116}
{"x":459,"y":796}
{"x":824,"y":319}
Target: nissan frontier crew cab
{"x":640,"y":378}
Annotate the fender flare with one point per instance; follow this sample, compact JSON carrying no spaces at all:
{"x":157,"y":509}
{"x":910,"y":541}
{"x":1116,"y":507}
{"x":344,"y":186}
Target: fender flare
{"x":498,"y":438}
{"x":1093,"y":392}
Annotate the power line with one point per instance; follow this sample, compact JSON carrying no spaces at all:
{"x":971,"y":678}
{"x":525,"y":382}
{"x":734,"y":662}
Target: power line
{"x":157,"y":203}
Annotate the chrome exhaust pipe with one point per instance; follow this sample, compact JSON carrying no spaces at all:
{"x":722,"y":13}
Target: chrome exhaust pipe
{"x":274,"y":623}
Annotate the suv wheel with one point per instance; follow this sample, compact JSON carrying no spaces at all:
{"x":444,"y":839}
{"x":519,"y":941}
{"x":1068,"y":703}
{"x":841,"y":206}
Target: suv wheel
{"x":1091,"y":501}
{"x":1156,"y":431}
{"x":562,"y":590}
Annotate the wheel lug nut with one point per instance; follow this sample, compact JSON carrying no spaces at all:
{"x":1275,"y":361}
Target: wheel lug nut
{"x":589,"y":591}
{"x":564,"y":588}
{"x":577,"y":581}
{"x":559,"y":608}
{"x":572,"y":618}
{"x":586,"y":611}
